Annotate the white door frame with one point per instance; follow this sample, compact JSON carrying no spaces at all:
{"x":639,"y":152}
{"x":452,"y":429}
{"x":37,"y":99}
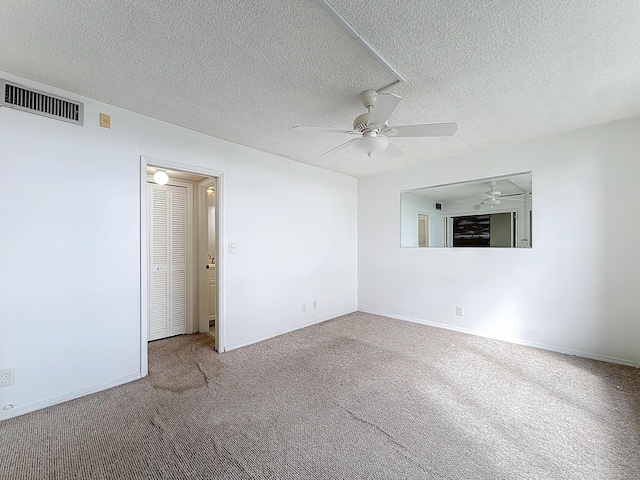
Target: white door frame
{"x":144,"y":240}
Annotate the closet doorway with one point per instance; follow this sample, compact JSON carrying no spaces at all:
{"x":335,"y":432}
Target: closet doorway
{"x":180,"y":225}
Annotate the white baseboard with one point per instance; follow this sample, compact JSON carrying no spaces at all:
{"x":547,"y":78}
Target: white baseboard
{"x":282,"y":332}
{"x":518,"y":341}
{"x":48,"y":402}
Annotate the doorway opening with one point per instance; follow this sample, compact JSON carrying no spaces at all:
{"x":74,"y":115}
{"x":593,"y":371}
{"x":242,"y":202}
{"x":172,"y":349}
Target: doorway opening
{"x":181,"y":260}
{"x":423,"y":230}
{"x":208,"y":290}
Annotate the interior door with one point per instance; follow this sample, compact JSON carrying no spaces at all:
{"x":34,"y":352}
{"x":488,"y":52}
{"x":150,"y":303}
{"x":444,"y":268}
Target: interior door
{"x":167,"y":260}
{"x":502,"y":229}
{"x":207,"y":256}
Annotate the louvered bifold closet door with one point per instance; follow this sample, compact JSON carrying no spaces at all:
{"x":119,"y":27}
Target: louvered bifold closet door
{"x":159,"y":261}
{"x":178,"y":261}
{"x":168,"y":261}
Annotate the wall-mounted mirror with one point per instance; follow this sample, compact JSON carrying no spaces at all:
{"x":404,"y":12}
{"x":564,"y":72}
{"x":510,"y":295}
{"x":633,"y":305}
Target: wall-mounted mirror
{"x":488,"y":212}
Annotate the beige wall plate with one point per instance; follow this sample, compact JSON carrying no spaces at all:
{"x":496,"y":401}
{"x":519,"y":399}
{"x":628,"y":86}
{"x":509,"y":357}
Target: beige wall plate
{"x":105,"y":120}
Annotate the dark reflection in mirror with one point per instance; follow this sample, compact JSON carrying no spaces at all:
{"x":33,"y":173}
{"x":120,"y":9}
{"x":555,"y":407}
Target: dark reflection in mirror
{"x":488,"y":212}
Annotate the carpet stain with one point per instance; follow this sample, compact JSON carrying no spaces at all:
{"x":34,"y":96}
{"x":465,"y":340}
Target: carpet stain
{"x":183,"y":363}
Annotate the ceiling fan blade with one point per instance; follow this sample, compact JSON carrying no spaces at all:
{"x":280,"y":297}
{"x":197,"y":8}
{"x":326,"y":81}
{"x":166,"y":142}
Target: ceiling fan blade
{"x":385,"y":104}
{"x":322,"y":129}
{"x":424,"y":130}
{"x":339,"y":147}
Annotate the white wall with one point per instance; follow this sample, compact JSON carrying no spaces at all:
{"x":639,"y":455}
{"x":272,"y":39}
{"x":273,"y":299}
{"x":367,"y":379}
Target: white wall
{"x":70,"y":244}
{"x":574,"y":291}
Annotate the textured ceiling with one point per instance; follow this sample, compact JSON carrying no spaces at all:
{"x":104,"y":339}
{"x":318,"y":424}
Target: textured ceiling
{"x":247,"y":71}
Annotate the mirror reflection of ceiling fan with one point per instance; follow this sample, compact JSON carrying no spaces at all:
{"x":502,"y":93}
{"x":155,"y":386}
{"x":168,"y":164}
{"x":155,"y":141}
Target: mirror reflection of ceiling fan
{"x":494,"y":197}
{"x":372,"y":127}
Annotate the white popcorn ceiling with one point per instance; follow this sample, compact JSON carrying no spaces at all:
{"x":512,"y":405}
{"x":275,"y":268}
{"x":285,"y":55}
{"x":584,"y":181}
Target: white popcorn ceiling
{"x":247,"y":71}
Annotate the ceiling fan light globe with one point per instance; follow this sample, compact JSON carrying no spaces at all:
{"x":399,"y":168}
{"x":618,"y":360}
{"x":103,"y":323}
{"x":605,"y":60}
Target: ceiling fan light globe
{"x":491,"y":202}
{"x":371,"y":145}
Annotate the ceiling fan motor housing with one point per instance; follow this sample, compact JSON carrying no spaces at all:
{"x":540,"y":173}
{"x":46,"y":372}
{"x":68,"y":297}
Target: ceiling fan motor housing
{"x":368,"y":99}
{"x":361,"y":121}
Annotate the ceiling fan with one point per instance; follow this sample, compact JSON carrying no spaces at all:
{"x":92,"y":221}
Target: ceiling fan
{"x":372,"y":127}
{"x":493,"y":197}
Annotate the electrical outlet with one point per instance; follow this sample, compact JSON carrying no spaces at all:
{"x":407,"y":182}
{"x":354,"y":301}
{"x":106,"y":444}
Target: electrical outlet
{"x":315,"y":304}
{"x":304,"y":307}
{"x":105,"y":120}
{"x":7,"y":377}
{"x":459,"y":311}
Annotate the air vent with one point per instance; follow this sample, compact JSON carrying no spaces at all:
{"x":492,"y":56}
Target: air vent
{"x":32,"y":101}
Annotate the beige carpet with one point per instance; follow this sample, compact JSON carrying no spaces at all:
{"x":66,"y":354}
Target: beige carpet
{"x":357,"y":397}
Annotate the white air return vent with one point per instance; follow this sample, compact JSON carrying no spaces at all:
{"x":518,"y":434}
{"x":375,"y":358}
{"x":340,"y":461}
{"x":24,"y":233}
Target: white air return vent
{"x":33,"y":101}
